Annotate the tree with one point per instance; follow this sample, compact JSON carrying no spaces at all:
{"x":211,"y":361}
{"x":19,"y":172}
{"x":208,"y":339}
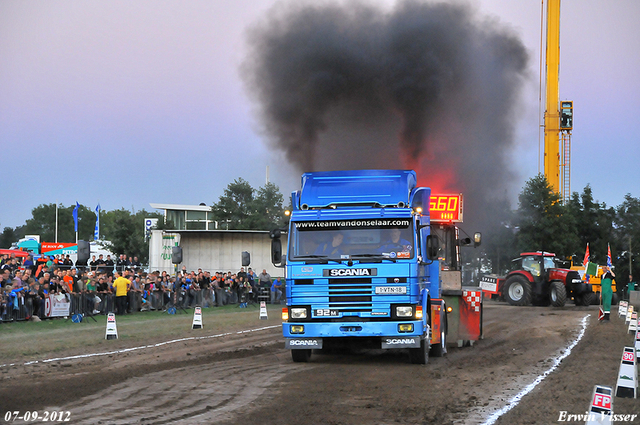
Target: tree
{"x":240,"y":207}
{"x":268,"y":207}
{"x":124,"y":232}
{"x":43,"y":223}
{"x":233,"y":210}
{"x":8,"y":237}
{"x":543,"y":224}
{"x":626,"y":237}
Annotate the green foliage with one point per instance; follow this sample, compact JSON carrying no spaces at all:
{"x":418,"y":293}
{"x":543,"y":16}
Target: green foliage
{"x":8,"y":236}
{"x":626,"y":238}
{"x":543,"y":222}
{"x":243,"y":208}
{"x":125,"y":232}
{"x":43,"y":223}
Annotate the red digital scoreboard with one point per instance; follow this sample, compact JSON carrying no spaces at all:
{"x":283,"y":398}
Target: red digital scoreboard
{"x":446,"y":208}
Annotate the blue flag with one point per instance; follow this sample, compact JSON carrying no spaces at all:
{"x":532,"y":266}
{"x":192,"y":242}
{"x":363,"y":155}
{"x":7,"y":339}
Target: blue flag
{"x":75,"y":215}
{"x":96,"y":232}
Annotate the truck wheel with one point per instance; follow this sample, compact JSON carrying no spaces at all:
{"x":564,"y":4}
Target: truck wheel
{"x":518,"y":291}
{"x":420,"y":355}
{"x":557,"y":294}
{"x":301,"y":356}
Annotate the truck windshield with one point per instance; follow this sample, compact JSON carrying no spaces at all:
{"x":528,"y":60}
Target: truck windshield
{"x":352,"y":239}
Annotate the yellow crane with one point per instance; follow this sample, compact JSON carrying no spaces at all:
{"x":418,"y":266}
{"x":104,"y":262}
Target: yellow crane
{"x":558,"y":116}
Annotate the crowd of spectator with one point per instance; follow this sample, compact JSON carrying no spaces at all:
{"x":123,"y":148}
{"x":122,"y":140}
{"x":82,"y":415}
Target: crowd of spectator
{"x":25,"y":284}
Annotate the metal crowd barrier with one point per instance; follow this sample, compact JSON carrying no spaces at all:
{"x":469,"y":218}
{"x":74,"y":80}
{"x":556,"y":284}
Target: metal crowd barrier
{"x":20,"y":308}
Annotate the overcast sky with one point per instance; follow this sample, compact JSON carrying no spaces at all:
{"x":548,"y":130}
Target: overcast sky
{"x":130,"y":102}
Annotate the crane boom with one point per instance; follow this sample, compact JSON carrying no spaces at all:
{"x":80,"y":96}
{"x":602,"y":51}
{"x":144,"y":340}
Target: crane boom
{"x":552,"y":113}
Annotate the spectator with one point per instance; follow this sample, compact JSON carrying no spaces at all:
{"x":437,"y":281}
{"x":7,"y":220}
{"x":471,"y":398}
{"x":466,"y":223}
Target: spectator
{"x":276,"y":291}
{"x":108,"y":264}
{"x":121,"y":286}
{"x":93,"y":264}
{"x":205,"y":285}
{"x":121,"y":263}
{"x":67,"y":263}
{"x":264,"y":279}
{"x":28,"y":263}
{"x":100,"y":265}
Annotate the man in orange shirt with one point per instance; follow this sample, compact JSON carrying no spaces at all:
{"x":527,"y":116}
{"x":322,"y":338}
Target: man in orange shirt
{"x":122,"y":285}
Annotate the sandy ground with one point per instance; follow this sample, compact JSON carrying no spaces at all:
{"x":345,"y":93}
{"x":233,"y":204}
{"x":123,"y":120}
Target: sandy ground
{"x":249,"y":378}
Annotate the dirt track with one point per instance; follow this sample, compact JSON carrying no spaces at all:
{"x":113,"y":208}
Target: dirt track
{"x":250,"y":378}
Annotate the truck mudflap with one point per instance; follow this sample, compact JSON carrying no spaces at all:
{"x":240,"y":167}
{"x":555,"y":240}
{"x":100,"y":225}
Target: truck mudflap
{"x":303,"y":343}
{"x":438,"y":321}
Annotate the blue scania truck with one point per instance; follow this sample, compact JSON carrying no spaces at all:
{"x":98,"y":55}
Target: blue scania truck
{"x":372,"y":261}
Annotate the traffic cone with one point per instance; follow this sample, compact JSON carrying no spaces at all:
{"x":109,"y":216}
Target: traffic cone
{"x":197,"y":318}
{"x":263,"y":310}
{"x":601,"y":409}
{"x":633,"y":323}
{"x":622,"y":309}
{"x":112,"y":330}
{"x":628,"y":376}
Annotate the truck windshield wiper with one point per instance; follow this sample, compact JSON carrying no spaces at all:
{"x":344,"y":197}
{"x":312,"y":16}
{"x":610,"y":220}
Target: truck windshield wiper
{"x":372,"y":256}
{"x":321,"y":258}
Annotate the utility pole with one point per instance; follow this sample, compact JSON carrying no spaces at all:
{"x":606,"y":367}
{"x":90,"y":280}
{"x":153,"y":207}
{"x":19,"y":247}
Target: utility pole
{"x":630,"y":254}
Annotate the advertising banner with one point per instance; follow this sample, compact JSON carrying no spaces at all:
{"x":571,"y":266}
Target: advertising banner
{"x":52,"y":248}
{"x":57,"y":305}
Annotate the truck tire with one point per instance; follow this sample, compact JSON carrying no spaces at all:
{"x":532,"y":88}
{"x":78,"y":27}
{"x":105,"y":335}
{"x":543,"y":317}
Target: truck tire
{"x":420,"y":355}
{"x":518,"y":291}
{"x":300,"y":356}
{"x":615,"y":298}
{"x":557,"y":294}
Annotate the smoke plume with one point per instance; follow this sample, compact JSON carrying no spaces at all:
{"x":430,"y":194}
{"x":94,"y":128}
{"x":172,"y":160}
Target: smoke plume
{"x":432,"y":87}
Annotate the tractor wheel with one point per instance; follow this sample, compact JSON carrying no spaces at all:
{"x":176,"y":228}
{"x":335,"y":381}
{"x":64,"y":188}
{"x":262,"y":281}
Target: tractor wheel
{"x":518,"y":291}
{"x":596,"y":299}
{"x":585,"y":299}
{"x":420,"y":355}
{"x":300,"y":356}
{"x":615,"y":298}
{"x":557,"y":294}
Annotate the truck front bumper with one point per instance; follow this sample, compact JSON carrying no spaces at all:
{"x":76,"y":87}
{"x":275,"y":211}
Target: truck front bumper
{"x":306,"y":335}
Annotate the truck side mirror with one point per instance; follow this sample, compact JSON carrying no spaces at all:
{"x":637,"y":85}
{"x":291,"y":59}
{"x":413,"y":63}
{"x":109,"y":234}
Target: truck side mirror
{"x":433,"y":246}
{"x":276,"y":251}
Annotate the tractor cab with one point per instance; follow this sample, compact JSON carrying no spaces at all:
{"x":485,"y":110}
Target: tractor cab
{"x":537,"y":264}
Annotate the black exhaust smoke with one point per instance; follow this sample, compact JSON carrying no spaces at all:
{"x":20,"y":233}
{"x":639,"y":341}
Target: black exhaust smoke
{"x":426,"y":86}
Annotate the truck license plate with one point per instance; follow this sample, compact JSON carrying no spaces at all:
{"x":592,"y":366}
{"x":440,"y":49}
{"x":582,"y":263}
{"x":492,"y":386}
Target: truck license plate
{"x":391,"y":290}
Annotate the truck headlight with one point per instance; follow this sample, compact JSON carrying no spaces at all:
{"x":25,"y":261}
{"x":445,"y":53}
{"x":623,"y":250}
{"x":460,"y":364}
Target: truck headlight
{"x":298,"y":313}
{"x":404,"y":311}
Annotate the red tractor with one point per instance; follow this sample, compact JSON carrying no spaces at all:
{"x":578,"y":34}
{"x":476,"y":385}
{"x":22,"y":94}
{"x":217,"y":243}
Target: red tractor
{"x":536,"y":277}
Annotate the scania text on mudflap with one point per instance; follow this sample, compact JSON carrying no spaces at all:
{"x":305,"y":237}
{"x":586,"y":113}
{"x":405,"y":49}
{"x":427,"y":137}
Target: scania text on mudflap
{"x":373,"y":261}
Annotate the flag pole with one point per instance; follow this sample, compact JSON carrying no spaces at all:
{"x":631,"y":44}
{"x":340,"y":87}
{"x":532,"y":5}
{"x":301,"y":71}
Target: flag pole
{"x":56,"y":241}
